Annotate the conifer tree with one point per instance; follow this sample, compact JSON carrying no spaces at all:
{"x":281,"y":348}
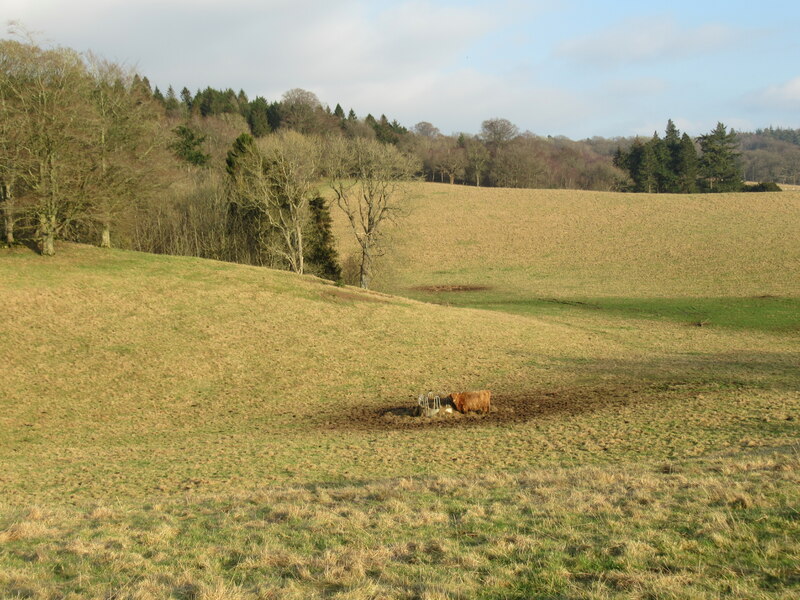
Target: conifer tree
{"x":672,"y":142}
{"x":242,"y":145}
{"x":719,"y":163}
{"x":686,"y":166}
{"x":171,"y":103}
{"x":661,"y":164}
{"x":243,"y":102}
{"x":258,"y":117}
{"x":146,"y":87}
{"x":322,"y":257}
{"x":186,"y":99}
{"x":188,"y":146}
{"x":648,"y":169}
{"x":274,"y":116}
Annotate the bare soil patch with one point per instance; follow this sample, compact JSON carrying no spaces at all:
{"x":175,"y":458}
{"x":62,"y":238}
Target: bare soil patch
{"x":451,"y":288}
{"x":506,"y":408}
{"x":353,"y":296}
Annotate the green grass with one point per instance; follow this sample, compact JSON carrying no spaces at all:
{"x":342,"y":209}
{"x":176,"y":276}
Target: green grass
{"x":708,"y":528}
{"x":173,"y":427}
{"x":701,"y":529}
{"x":765,"y":313}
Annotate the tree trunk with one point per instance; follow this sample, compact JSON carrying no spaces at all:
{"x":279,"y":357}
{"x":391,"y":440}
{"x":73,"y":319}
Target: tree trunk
{"x":105,"y":236}
{"x":365,"y":274}
{"x":452,"y":179}
{"x":8,"y":216}
{"x":9,"y":226}
{"x":300,"y":252}
{"x":47,"y":231}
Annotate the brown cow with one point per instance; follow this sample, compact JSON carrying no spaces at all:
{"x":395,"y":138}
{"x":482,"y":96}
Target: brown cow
{"x":467,"y":401}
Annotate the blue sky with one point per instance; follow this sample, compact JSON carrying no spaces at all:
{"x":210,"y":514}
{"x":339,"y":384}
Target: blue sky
{"x":569,"y":67}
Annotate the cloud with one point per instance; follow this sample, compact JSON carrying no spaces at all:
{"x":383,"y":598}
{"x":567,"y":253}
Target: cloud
{"x":452,"y":63}
{"x":646,"y":39}
{"x":268,"y":47}
{"x":462,"y":99}
{"x":783,"y":96}
{"x":637,"y":86}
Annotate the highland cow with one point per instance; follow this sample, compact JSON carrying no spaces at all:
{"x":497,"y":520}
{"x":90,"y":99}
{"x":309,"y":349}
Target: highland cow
{"x":465,"y":402}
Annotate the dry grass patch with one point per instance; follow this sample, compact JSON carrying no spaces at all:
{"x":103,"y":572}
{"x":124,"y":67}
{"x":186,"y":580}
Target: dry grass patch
{"x":567,"y":243}
{"x":184,"y":428}
{"x":146,"y":381}
{"x":579,"y":532}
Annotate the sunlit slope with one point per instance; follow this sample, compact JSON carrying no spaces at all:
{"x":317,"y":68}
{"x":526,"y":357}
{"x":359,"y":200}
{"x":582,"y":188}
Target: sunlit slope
{"x":568,"y":243}
{"x":128,"y":375}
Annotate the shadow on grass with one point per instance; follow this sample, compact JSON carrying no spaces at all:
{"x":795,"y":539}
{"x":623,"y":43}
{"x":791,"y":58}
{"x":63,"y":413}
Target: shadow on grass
{"x":778,"y":314}
{"x":633,"y":382}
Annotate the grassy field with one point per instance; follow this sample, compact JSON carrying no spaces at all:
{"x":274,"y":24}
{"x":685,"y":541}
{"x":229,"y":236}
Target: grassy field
{"x":562,"y":244}
{"x":174,"y":427}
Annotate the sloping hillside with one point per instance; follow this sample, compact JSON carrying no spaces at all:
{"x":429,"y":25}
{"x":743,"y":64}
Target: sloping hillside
{"x":137,"y":373}
{"x":567,"y":243}
{"x":174,"y":427}
{"x":725,"y":260}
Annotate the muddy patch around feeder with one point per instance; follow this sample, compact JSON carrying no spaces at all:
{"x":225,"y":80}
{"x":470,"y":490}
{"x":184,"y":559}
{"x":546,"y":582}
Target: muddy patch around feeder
{"x":436,"y":289}
{"x":506,"y":408}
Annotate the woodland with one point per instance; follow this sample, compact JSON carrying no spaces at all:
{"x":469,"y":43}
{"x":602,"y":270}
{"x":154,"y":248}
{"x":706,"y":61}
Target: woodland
{"x":91,"y":152}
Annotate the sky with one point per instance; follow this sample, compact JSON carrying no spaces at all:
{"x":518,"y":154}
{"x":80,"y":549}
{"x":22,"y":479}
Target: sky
{"x":552,"y":67}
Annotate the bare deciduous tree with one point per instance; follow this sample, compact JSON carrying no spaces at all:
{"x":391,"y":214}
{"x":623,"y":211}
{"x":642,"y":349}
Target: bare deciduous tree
{"x":369,"y":181}
{"x":478,"y":158}
{"x":277,"y":177}
{"x":450,"y":158}
{"x":12,"y":150}
{"x":125,"y":132}
{"x":46,"y":90}
{"x":497,"y":131}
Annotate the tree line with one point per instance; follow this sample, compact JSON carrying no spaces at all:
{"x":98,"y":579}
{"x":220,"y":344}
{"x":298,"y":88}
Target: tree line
{"x":90,"y":152}
{"x":79,"y":143}
{"x":672,"y":164}
{"x":502,"y":156}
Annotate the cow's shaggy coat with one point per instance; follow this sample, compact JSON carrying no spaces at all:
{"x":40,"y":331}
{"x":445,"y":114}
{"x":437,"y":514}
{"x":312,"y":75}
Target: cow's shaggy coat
{"x":465,"y":402}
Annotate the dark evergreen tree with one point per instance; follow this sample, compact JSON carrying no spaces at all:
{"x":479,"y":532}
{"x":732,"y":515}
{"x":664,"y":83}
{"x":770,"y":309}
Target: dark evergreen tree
{"x":203,"y":101}
{"x":229,"y":103}
{"x":686,"y":166}
{"x":321,"y":257}
{"x":258,"y":117}
{"x":186,"y":98}
{"x":662,"y":174}
{"x":791,"y":136}
{"x":244,"y":220}
{"x":243,"y":102}
{"x":649,"y":168}
{"x":188,"y":146}
{"x":672,"y":142}
{"x":641,"y":164}
{"x":242,"y":145}
{"x":719,"y":164}
{"x":386,"y":132}
{"x":625,"y":160}
{"x":339,"y":111}
{"x":351,"y":116}
{"x":274,"y":115}
{"x":660,"y":165}
{"x":171,"y":103}
{"x":158,"y":96}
